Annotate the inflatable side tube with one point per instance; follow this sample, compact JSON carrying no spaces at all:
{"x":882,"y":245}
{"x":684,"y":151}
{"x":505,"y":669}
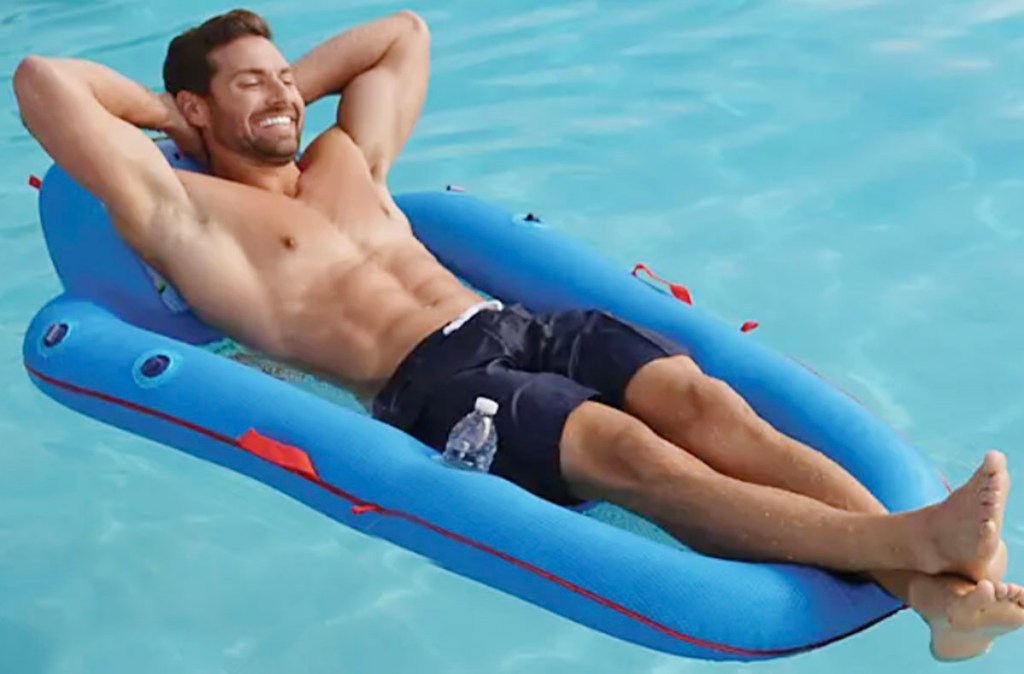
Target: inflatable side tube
{"x":379,"y":480}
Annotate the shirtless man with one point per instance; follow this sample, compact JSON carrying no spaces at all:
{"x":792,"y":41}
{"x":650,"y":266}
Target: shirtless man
{"x":313,"y":264}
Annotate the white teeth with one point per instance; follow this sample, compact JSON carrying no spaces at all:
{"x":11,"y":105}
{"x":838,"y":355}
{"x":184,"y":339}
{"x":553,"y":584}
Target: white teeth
{"x":274,"y":121}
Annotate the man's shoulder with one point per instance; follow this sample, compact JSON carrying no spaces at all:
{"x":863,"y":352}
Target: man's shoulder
{"x":202,"y":186}
{"x":332,"y":144}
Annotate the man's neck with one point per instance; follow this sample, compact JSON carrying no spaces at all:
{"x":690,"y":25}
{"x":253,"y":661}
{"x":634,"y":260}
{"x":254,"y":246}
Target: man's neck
{"x":283,"y":179}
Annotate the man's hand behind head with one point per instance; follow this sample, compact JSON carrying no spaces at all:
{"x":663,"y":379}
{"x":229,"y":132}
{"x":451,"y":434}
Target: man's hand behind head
{"x":186,"y":137}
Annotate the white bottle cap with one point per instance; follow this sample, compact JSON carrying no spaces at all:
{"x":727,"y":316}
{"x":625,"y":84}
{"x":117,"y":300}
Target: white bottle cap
{"x":486,"y":406}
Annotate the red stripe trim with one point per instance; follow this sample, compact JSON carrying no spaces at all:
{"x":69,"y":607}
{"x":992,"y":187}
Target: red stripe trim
{"x":361,"y":507}
{"x":132,"y":406}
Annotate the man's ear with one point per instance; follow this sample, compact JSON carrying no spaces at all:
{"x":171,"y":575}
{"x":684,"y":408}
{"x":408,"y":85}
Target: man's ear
{"x":193,"y":108}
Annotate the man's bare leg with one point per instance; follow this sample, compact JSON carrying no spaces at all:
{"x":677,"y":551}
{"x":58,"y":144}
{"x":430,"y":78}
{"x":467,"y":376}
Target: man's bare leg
{"x":610,"y":455}
{"x":716,"y":425}
{"x":719,"y":427}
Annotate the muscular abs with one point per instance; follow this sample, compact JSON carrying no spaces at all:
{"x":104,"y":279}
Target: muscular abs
{"x":332,"y":281}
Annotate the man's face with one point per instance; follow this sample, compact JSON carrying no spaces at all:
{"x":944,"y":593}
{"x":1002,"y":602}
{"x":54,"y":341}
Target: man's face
{"x":254,"y":107}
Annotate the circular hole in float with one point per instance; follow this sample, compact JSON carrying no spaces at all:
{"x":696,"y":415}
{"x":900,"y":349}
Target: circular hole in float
{"x":54,"y":338}
{"x":154,"y":368}
{"x":55,"y":334}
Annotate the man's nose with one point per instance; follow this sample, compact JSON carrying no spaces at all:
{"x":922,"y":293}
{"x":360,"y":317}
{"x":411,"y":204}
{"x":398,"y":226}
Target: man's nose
{"x":278,"y":91}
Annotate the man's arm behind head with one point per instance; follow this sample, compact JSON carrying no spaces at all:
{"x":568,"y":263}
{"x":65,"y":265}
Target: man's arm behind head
{"x":86,"y":117}
{"x":381,"y":68}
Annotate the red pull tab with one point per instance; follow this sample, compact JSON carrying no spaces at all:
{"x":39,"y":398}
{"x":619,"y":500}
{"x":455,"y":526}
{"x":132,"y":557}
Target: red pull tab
{"x":679,"y":291}
{"x":748,"y":326}
{"x":35,"y":182}
{"x":278,"y":453}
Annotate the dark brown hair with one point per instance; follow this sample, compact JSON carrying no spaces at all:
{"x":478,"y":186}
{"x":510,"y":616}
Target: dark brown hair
{"x":187,"y":66}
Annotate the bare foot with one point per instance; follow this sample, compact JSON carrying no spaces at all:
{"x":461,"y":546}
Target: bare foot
{"x":965,"y":529}
{"x":969,"y":621}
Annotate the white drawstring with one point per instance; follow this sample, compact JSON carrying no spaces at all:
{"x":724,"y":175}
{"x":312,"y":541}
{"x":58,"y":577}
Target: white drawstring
{"x":460,"y":320}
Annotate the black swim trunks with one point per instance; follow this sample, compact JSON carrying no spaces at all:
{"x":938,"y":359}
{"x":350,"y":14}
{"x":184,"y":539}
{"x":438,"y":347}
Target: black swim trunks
{"x":538,"y":368}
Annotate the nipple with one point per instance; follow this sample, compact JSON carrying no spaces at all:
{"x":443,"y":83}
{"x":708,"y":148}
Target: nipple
{"x":288,"y":242}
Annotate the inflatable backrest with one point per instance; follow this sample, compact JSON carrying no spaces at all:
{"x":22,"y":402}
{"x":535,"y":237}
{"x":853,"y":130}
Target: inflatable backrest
{"x":93,"y":262}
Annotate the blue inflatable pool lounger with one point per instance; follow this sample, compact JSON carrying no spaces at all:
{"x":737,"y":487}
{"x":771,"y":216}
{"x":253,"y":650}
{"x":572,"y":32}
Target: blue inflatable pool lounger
{"x":119,"y":346}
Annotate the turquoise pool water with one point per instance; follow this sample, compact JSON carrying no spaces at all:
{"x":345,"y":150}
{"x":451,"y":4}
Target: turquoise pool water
{"x":848,"y":173}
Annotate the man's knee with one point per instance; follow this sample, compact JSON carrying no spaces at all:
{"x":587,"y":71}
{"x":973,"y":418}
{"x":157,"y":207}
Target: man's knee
{"x":701,"y":399}
{"x":669,"y":385}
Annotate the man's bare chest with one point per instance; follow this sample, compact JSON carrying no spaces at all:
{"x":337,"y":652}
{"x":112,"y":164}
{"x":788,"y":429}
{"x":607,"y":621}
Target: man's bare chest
{"x":274,"y":228}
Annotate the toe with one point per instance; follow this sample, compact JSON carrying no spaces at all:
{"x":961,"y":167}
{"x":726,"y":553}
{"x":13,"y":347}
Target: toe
{"x":995,"y":461}
{"x":984,"y":592}
{"x":1002,"y":591}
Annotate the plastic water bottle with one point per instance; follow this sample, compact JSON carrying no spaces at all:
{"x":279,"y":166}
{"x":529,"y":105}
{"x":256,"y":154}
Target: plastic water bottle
{"x":474,"y":440}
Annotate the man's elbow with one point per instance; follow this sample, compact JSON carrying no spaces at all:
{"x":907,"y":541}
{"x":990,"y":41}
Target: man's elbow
{"x":30,"y":72}
{"x":31,"y":82}
{"x":415,"y":24}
